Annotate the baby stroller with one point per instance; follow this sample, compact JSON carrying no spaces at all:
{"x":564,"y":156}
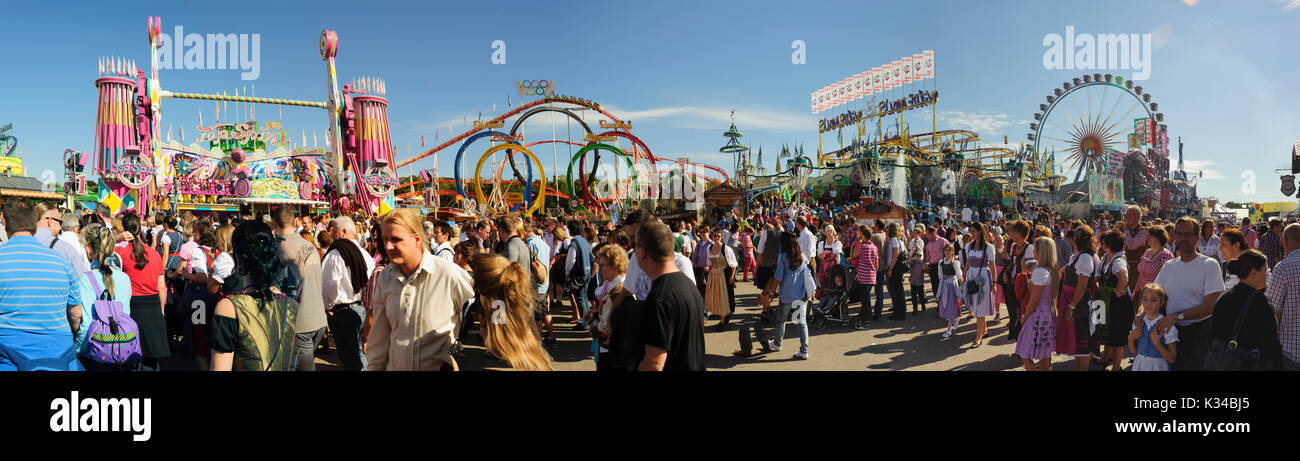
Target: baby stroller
{"x":833,"y":301}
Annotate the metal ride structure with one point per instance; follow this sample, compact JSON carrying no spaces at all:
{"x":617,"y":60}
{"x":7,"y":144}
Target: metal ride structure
{"x":130,"y":163}
{"x":1088,"y":131}
{"x":581,"y":198}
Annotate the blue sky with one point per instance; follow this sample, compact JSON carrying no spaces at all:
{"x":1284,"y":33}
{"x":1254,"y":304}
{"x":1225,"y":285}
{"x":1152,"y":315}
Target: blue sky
{"x":1224,"y":73}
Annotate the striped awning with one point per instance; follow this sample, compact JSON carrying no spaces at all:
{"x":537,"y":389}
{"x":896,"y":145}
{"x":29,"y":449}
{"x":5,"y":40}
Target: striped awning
{"x":206,"y":207}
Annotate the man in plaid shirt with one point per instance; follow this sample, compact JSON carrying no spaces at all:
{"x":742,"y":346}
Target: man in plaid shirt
{"x":1271,"y":243}
{"x":1284,"y":295}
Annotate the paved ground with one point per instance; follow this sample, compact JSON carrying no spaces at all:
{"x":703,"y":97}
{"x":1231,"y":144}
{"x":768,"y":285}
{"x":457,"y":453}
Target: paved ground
{"x":914,"y":343}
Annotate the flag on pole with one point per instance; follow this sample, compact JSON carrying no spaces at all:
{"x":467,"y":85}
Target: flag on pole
{"x":304,"y":138}
{"x":814,"y":102}
{"x":929,"y":63}
{"x":508,"y":101}
{"x":313,"y":137}
{"x":918,"y":67}
{"x":182,"y":134}
{"x":169,"y":132}
{"x":877,"y":80}
{"x":887,"y":77}
{"x":907,"y":68}
{"x":421,"y":140}
{"x":896,"y":68}
{"x":200,"y":111}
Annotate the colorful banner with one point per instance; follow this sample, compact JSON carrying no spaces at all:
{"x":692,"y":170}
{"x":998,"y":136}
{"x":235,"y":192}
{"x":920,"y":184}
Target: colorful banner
{"x":928,"y":62}
{"x":909,"y":69}
{"x":1105,"y":190}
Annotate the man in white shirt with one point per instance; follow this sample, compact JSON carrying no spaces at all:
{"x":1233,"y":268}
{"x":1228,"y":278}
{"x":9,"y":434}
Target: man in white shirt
{"x":636,"y":280}
{"x":344,"y":273}
{"x":1194,"y":283}
{"x":965,"y":214}
{"x":71,"y":228}
{"x":442,"y":241}
{"x":806,"y":238}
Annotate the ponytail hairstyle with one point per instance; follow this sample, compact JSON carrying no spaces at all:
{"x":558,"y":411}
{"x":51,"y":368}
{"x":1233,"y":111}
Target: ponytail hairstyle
{"x":255,"y":256}
{"x":131,"y":225}
{"x":100,"y":241}
{"x":506,"y":299}
{"x":1249,"y":261}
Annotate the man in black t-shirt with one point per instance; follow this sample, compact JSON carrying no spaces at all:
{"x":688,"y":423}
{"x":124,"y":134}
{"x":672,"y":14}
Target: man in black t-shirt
{"x":672,"y":326}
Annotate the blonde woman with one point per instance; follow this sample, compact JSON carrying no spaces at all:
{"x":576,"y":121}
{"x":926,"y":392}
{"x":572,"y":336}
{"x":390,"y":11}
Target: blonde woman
{"x":506,"y":295}
{"x":1037,"y":338}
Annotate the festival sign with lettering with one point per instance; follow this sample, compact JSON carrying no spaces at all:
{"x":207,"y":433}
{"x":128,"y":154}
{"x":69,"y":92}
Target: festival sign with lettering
{"x":246,"y":136}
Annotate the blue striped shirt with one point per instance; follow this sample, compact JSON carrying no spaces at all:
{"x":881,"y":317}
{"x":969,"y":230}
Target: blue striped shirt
{"x":36,"y":288}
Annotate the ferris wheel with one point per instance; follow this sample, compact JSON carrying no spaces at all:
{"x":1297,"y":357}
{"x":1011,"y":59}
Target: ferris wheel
{"x":1087,"y":118}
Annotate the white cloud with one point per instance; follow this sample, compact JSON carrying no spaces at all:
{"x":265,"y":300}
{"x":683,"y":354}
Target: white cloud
{"x":1290,"y":4}
{"x":1205,"y":167}
{"x":987,"y":124}
{"x":1162,"y":34}
{"x":763,"y":119}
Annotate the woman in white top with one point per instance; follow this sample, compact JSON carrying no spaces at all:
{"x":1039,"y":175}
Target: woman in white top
{"x":1073,"y":333}
{"x":1037,"y":338}
{"x":1209,"y":243}
{"x":831,"y":242}
{"x":1113,"y":273}
{"x":978,"y":273}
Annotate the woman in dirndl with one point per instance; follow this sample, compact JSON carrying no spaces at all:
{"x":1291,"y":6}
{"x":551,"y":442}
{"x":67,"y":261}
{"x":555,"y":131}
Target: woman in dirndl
{"x":977,"y":286}
{"x":1073,"y":332}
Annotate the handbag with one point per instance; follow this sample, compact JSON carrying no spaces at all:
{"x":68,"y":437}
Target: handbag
{"x":1227,"y":356}
{"x":972,"y":287}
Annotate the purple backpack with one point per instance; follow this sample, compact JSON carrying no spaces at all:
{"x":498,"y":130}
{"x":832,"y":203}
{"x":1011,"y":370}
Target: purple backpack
{"x":113,"y":336}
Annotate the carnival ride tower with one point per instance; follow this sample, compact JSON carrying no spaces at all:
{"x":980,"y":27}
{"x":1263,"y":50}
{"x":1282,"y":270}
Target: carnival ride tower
{"x":123,"y":137}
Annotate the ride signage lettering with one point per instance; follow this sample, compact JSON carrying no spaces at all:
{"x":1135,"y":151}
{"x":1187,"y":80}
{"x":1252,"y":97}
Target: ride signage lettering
{"x":508,"y":138}
{"x":478,"y":125}
{"x":625,"y":125}
{"x":913,"y":101}
{"x":590,"y":137}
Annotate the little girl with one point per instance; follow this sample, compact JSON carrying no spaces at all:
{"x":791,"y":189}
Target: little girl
{"x":1155,"y":352}
{"x":917,"y":279}
{"x":949,"y":289}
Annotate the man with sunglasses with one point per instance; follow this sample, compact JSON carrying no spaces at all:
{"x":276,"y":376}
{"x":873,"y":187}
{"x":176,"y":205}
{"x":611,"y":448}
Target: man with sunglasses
{"x":48,"y":228}
{"x":1194,"y":283}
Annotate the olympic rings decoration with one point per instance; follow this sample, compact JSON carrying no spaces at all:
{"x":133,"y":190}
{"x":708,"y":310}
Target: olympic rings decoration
{"x":569,"y":181}
{"x":519,"y":122}
{"x":460,"y":155}
{"x":535,"y":87}
{"x":478,"y":170}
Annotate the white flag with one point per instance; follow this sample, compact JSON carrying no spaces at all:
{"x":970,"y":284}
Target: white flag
{"x":918,"y":67}
{"x":896,"y":69}
{"x":887,"y":77}
{"x":928,"y":63}
{"x":907,"y":68}
{"x":875,"y":80}
{"x":814,"y":102}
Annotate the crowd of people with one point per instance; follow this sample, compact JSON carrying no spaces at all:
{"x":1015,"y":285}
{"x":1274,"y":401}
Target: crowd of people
{"x":96,"y":291}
